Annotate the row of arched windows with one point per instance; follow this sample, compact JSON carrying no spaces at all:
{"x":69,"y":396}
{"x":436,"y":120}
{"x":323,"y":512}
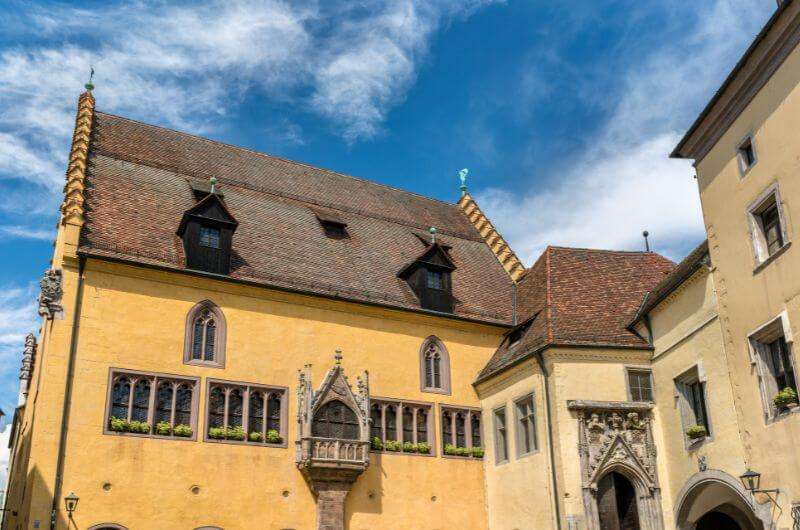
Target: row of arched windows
{"x":205,"y":345}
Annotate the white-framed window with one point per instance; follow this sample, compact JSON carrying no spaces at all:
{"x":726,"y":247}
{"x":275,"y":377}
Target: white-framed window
{"x":500,"y":435}
{"x":640,"y":383}
{"x":691,"y":390}
{"x":525,"y":426}
{"x":767,"y":224}
{"x":746,"y":154}
{"x":771,"y":352}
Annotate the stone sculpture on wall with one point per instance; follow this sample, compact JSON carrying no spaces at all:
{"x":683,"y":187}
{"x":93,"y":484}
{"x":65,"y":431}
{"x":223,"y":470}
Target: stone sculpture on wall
{"x":50,"y":295}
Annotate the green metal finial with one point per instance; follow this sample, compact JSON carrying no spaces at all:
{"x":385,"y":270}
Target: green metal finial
{"x":213,"y":181}
{"x":89,"y":85}
{"x":463,"y":176}
{"x":432,"y":231}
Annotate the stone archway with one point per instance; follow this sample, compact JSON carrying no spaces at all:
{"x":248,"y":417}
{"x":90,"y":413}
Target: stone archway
{"x":714,"y":495}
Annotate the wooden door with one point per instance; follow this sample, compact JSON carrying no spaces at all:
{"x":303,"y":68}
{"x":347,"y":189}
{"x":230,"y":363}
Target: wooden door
{"x":616,"y":503}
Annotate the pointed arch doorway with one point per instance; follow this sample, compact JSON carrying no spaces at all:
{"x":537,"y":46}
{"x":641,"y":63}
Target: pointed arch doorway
{"x":616,"y":503}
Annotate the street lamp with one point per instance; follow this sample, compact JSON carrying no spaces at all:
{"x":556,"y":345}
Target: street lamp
{"x":71,"y":502}
{"x":751,"y":480}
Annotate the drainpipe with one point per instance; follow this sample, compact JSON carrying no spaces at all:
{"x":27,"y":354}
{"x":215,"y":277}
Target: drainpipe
{"x":553,"y":478}
{"x":73,"y":348}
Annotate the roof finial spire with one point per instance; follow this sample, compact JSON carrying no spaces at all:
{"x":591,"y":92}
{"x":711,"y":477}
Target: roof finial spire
{"x":463,"y":176}
{"x":646,"y":241}
{"x":338,"y":356}
{"x":432,"y":231}
{"x":89,"y":86}
{"x":213,"y":181}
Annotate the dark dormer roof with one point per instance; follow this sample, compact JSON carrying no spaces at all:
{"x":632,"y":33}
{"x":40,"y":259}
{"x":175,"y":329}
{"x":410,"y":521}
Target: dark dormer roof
{"x":210,"y":208}
{"x":435,"y":254}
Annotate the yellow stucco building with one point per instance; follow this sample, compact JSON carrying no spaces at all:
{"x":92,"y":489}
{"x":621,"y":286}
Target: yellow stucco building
{"x":231,"y":340}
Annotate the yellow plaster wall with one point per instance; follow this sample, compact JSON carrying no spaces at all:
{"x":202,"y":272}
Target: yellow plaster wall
{"x":748,"y":296}
{"x":686,"y":334}
{"x":134,"y":318}
{"x":518,"y":491}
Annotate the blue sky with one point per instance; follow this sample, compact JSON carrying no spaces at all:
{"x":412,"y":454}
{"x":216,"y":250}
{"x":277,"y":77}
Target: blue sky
{"x":564,"y":112}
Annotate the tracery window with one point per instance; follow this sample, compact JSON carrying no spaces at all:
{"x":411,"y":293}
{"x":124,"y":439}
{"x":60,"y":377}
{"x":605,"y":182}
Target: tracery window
{"x":434,"y":367}
{"x":336,"y":420}
{"x":246,"y":413}
{"x":151,"y":404}
{"x":205,"y":335}
{"x":461,"y":432}
{"x":401,"y":426}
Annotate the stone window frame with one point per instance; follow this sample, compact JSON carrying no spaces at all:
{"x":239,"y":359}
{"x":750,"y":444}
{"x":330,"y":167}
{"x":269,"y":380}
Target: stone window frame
{"x":444,"y":366}
{"x":756,"y":341}
{"x":220,"y":335}
{"x":692,"y":375}
{"x":247,"y":387}
{"x":629,"y":390}
{"x":156,"y":378}
{"x":762,"y":202}
{"x":519,"y":431}
{"x":744,"y":167}
{"x":496,"y":429}
{"x":468,"y":437}
{"x":399,"y":405}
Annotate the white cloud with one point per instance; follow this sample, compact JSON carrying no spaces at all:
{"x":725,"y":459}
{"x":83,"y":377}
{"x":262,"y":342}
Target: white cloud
{"x":624,"y":183}
{"x":26,"y":232}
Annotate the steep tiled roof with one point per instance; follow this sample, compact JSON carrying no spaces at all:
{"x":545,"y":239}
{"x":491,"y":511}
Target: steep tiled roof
{"x":580,"y":297}
{"x":139,"y":184}
{"x":688,"y":266}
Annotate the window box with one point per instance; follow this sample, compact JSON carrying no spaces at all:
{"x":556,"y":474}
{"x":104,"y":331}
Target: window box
{"x":696,"y":432}
{"x":246,"y":413}
{"x":786,"y":399}
{"x":401,"y":426}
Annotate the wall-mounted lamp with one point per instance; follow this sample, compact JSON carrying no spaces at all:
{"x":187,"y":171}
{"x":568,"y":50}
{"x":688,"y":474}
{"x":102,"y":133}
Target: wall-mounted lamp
{"x":751,"y":480}
{"x":71,"y":502}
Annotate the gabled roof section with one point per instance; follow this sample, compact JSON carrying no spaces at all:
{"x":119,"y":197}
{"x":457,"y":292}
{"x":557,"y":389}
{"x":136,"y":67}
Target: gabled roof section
{"x":212,"y":208}
{"x":580,"y":297}
{"x":694,"y":261}
{"x":136,"y":168}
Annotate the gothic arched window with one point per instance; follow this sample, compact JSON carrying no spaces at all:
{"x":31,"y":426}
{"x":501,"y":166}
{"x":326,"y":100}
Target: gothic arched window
{"x":434,"y":362}
{"x":205,"y":335}
{"x":336,"y":420}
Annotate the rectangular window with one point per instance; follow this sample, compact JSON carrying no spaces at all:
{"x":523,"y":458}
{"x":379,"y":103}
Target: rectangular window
{"x":245,"y":413}
{"x":526,"y":426}
{"x":334,"y":230}
{"x":435,"y":280}
{"x":694,"y":414}
{"x":500,"y":436}
{"x":461,"y":432}
{"x":746,"y":154}
{"x":151,"y":404}
{"x":767,"y":225}
{"x":399,"y":426}
{"x":209,"y":237}
{"x":773,"y":356}
{"x":640,"y":385}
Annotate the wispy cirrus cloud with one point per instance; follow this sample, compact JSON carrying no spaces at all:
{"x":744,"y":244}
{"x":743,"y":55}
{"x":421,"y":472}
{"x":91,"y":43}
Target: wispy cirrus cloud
{"x":622,"y":182}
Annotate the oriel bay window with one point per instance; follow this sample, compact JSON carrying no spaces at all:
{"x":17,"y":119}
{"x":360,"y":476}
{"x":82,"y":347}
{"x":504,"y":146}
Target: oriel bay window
{"x":461,"y":431}
{"x":399,"y":426}
{"x":151,"y":404}
{"x":246,"y":413}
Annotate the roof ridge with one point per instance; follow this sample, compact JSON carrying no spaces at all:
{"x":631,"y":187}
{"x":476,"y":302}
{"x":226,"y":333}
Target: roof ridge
{"x":605,"y":250}
{"x":282,"y":159}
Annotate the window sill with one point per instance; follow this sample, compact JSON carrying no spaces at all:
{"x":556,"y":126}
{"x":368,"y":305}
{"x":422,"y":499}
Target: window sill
{"x":442,"y":391}
{"x":772,"y":258}
{"x":109,"y":432}
{"x":458,"y":457}
{"x":206,"y":364}
{"x":281,"y":445}
{"x":784,"y":414}
{"x":385,"y":452}
{"x":693,"y":445}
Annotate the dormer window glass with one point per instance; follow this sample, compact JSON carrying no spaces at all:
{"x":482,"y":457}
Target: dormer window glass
{"x":334,"y":230}
{"x":209,"y":237}
{"x":435,"y":280}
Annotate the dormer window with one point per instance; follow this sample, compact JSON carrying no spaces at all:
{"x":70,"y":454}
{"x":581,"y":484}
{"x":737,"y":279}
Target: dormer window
{"x":207,"y":232}
{"x":332,"y":224}
{"x":429,"y":276}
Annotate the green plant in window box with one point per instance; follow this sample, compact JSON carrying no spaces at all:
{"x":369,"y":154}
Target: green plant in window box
{"x":376,"y":444}
{"x":235,"y":433}
{"x":217,"y":433}
{"x":423,"y":448}
{"x":163,"y":428}
{"x":785,"y":399}
{"x":274,"y":437}
{"x":477,"y":452}
{"x":256,"y":437}
{"x":392,"y":445}
{"x":118,"y":424}
{"x":141,"y":427}
{"x":182,"y":430}
{"x":409,"y":447}
{"x":462,"y":451}
{"x":696,"y":432}
{"x":450,"y":449}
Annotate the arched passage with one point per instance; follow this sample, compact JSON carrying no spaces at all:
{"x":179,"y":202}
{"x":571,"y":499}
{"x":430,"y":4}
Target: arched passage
{"x":616,"y":503}
{"x":712,"y":497}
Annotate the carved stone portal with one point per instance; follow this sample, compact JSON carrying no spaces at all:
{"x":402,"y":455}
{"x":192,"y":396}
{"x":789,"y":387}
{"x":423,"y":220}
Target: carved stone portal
{"x":50,"y":295}
{"x":617,"y":437}
{"x":332,"y":447}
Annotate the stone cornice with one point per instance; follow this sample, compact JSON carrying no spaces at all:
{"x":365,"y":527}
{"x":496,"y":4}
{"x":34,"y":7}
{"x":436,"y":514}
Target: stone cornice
{"x":587,"y":404}
{"x":72,"y":209}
